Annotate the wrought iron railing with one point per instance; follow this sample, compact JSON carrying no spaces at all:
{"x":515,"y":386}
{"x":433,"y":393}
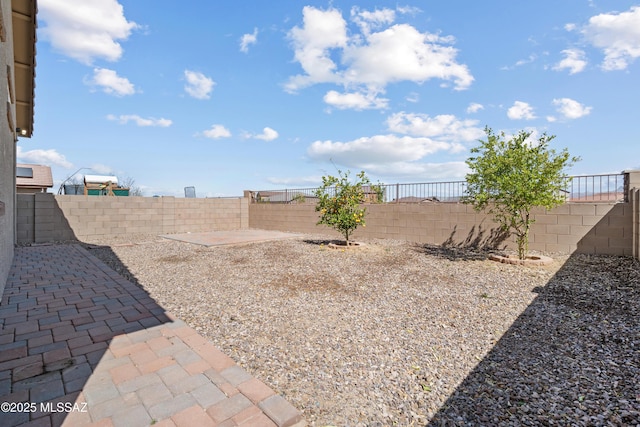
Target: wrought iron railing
{"x":579,"y":188}
{"x":450,"y":191}
{"x":589,"y":188}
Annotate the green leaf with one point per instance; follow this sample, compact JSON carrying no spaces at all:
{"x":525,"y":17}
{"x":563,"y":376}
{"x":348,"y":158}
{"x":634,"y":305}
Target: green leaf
{"x":508,"y":178}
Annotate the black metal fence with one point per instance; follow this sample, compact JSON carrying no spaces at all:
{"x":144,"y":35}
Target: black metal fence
{"x":579,"y":188}
{"x":588,"y":188}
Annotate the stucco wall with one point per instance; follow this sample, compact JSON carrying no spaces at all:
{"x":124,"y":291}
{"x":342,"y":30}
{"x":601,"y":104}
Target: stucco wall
{"x":7,"y":150}
{"x":604,"y":228}
{"x":44,"y":217}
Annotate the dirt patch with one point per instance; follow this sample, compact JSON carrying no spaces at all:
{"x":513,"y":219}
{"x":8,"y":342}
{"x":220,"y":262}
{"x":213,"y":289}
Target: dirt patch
{"x":174,"y":259}
{"x":307,"y":283}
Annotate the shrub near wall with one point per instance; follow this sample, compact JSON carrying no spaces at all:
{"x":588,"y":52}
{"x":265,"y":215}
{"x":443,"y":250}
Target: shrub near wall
{"x":583,"y":227}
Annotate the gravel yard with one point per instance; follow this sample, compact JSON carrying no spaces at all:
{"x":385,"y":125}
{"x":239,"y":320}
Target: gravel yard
{"x":396,"y":333}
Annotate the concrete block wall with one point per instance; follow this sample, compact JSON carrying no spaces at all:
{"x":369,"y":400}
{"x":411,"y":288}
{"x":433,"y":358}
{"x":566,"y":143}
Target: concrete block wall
{"x":599,"y":228}
{"x":300,"y":218}
{"x":634,"y":198}
{"x":49,"y":222}
{"x":25,"y":220}
{"x":210,"y":214}
{"x":608,"y":230}
{"x":44,"y":217}
{"x":434,"y":223}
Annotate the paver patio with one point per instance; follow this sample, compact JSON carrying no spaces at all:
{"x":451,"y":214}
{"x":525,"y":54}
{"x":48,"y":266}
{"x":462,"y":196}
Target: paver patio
{"x":80,"y":345}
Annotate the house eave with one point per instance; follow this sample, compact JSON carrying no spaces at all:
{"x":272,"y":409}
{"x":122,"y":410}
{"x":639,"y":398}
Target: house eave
{"x":24,"y":40}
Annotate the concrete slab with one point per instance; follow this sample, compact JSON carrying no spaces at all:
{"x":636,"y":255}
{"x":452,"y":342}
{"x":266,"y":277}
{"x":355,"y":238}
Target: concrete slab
{"x":232,"y":237}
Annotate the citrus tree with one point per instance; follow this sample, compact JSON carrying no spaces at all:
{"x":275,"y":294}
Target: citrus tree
{"x":340,"y":202}
{"x":511,"y":177}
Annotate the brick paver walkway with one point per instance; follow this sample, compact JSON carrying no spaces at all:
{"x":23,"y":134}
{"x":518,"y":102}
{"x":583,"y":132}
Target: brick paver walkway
{"x":80,"y":345}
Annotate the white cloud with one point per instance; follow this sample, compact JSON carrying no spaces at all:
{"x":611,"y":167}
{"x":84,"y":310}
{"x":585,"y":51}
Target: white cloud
{"x":85,"y":30}
{"x":570,"y":27}
{"x":45,"y":157}
{"x":402,"y":153}
{"x":403,"y":53}
{"x":408,"y":10}
{"x":267,"y":134}
{"x":111,"y":83}
{"x":248,"y":39}
{"x":421,"y":172}
{"x":298,"y":182}
{"x":367,"y":61}
{"x":368,"y":20}
{"x":355,"y":100}
{"x":102,"y":169}
{"x":618,"y":35}
{"x":532,"y":58}
{"x":443,"y":127}
{"x":474,"y":107}
{"x":413,"y":97}
{"x":140,"y":121}
{"x":376,"y":150}
{"x":321,"y":31}
{"x":574,"y":61}
{"x":217,"y":132}
{"x":521,"y":111}
{"x":570,"y":108}
{"x":396,"y":157}
{"x":198,"y":85}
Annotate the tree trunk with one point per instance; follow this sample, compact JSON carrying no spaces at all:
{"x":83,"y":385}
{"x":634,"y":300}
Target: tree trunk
{"x":523,"y":239}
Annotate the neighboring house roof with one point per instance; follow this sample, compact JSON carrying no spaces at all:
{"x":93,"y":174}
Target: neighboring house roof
{"x":40,"y":176}
{"x":24,"y":48}
{"x":415,"y":199}
{"x":283,"y":197}
{"x":100,"y":179}
{"x":411,"y":199}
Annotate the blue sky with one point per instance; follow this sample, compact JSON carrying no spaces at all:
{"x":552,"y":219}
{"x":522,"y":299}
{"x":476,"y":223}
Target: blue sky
{"x":228,"y":96}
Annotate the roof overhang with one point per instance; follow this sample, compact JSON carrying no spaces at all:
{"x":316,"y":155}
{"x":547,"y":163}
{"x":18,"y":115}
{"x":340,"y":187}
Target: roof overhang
{"x":24,"y":53}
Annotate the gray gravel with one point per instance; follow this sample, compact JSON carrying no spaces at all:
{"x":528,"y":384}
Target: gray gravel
{"x":396,"y":333}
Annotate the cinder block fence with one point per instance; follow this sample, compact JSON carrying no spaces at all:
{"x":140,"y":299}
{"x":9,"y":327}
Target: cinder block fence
{"x":584,"y":227}
{"x":43,"y":217}
{"x":597,"y":228}
{"x":635,"y":207}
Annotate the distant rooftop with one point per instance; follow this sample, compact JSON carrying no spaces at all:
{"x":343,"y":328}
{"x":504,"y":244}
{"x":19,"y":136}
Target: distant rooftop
{"x":33,"y":176}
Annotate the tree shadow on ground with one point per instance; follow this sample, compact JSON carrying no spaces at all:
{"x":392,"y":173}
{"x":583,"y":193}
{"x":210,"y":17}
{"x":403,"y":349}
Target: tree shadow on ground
{"x":477,"y":245}
{"x":321,"y":242}
{"x":571,"y":358}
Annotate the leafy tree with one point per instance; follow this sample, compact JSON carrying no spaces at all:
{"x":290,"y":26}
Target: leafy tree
{"x":339,"y":202}
{"x":510,"y":177}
